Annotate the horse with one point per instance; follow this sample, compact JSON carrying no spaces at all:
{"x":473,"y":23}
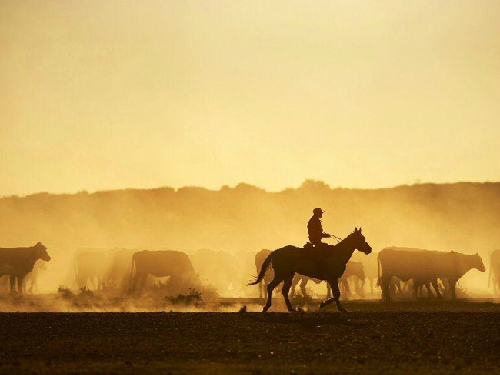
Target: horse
{"x":260,"y":257}
{"x":325,"y":263}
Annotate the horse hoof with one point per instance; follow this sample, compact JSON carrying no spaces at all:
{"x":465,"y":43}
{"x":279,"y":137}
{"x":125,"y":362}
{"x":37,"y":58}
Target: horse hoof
{"x":321,"y":305}
{"x":343,"y":311}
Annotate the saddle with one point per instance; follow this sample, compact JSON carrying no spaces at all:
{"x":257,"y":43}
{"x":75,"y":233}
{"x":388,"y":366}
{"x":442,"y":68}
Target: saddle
{"x":315,"y":254}
{"x":320,"y":247}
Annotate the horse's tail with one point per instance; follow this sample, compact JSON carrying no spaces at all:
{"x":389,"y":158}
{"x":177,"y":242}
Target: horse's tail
{"x":263,"y":270}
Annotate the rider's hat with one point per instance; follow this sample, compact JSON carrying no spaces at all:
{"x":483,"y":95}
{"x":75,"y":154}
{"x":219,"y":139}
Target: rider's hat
{"x":318,"y":210}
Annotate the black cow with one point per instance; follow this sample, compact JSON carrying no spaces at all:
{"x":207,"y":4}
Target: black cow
{"x":424,"y":266}
{"x":175,"y":264}
{"x":19,"y":261}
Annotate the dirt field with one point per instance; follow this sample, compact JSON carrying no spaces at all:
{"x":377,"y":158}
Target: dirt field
{"x":400,"y":338}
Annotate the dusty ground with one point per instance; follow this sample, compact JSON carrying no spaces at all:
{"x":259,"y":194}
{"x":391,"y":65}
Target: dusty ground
{"x":427,"y":338}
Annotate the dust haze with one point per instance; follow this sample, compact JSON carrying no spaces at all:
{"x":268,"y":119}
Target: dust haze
{"x":222,"y":230}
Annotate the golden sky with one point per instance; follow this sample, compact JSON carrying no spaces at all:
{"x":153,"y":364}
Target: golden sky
{"x":111,"y":94}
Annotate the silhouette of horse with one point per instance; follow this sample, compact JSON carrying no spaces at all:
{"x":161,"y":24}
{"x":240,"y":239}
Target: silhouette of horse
{"x":326,"y":263}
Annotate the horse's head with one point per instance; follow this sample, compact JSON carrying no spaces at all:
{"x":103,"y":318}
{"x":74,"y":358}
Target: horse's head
{"x":359,"y":241}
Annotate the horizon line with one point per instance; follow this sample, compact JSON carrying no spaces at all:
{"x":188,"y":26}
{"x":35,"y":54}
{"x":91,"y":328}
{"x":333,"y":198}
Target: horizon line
{"x":241,"y":184}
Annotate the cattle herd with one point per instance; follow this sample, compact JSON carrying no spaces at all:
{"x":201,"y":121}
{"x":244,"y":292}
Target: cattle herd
{"x":393,"y":272}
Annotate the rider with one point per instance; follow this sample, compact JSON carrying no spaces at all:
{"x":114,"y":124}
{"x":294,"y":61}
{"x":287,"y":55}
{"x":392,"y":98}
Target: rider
{"x":315,"y":228}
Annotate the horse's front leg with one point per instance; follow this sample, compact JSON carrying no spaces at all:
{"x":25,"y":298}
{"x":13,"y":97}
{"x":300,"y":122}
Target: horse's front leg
{"x":334,"y":284}
{"x":336,"y":294}
{"x":286,"y":288}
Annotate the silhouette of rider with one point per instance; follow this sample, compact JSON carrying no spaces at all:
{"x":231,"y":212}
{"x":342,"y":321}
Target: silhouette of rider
{"x":315,"y":228}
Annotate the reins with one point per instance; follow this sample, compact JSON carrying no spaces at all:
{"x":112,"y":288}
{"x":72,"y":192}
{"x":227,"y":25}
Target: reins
{"x":337,"y":238}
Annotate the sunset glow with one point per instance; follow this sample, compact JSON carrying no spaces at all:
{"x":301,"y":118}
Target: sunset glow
{"x":115,"y":94}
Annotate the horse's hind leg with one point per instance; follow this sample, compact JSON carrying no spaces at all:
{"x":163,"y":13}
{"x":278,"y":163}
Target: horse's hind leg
{"x":270,"y":287}
{"x":285,"y":290}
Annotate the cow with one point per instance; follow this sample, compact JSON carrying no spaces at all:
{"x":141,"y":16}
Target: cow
{"x":174,"y":264}
{"x":418,"y":289}
{"x":18,"y":262}
{"x":424,"y":266}
{"x":260,"y":257}
{"x":440,"y":285}
{"x":410,"y":288}
{"x":394,"y":284}
{"x":494,"y":274}
{"x":91,"y":266}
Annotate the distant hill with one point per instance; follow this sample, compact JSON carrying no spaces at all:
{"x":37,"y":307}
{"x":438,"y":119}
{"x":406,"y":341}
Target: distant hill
{"x":461,"y":216}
